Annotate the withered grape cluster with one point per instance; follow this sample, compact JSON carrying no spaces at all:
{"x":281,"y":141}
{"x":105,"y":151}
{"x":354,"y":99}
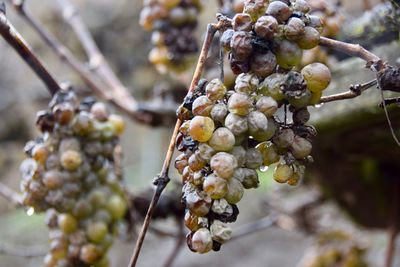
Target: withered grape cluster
{"x":72,"y":173}
{"x":227,"y":135}
{"x":172,"y":23}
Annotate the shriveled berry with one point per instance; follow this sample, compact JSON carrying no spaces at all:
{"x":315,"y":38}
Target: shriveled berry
{"x":309,"y":39}
{"x":300,"y":147}
{"x":222,"y":139}
{"x":239,"y":104}
{"x":282,"y":173}
{"x":301,"y":6}
{"x":242,"y":22}
{"x":201,"y":241}
{"x":90,"y":254}
{"x":241,"y":45}
{"x":117,"y":207}
{"x":272,"y":86}
{"x":294,"y":29}
{"x":215,"y":186}
{"x":215,"y":90}
{"x":240,"y":154}
{"x":246,"y":83}
{"x":118,"y":123}
{"x":226,"y":38}
{"x":99,"y":111}
{"x":266,"y":27}
{"x":236,"y":124}
{"x":301,"y":116}
{"x":257,"y":122}
{"x":71,"y":160}
{"x":254,"y":158}
{"x":201,"y":128}
{"x":250,"y":178}
{"x":288,"y":54}
{"x":269,"y":153}
{"x":67,"y":223}
{"x":219,"y":112}
{"x":235,"y":191}
{"x":220,"y":232}
{"x":284,"y":138}
{"x":267,"y":105}
{"x":263,"y":64}
{"x":317,"y":76}
{"x":202,"y":106}
{"x":224,"y":164}
{"x":96,"y":231}
{"x":279,"y":10}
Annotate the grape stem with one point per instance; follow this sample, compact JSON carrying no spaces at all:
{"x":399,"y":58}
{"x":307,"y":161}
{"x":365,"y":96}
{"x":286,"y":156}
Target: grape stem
{"x":10,"y":194}
{"x":12,"y":36}
{"x":354,"y":91}
{"x":163,"y":179}
{"x":105,"y":83}
{"x":256,"y":226}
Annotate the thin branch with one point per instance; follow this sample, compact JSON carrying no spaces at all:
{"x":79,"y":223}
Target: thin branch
{"x":253,"y":227}
{"x":355,"y":50}
{"x":23,"y":251}
{"x":10,"y":194}
{"x":163,"y":179}
{"x":161,"y":233}
{"x":11,"y":35}
{"x":62,"y":52}
{"x":354,"y":91}
{"x":97,"y":61}
{"x":124,"y":101}
{"x":180,"y":240}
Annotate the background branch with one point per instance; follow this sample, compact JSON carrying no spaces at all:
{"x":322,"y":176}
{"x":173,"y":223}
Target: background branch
{"x":12,"y":37}
{"x":97,"y":61}
{"x":23,"y":251}
{"x":256,"y":226}
{"x":10,"y":194}
{"x":119,"y":96}
{"x":354,"y":50}
{"x":180,"y":240}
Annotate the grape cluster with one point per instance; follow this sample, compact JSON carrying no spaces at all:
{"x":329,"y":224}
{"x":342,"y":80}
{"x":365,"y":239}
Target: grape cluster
{"x":227,"y":135}
{"x":172,"y":23}
{"x":335,"y":248}
{"x":270,"y":35}
{"x":72,"y":173}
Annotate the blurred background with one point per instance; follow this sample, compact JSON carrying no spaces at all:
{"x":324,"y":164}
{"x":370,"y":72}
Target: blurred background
{"x":346,"y":199}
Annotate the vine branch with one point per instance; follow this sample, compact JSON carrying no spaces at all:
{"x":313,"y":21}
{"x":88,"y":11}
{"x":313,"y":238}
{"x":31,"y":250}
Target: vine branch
{"x":354,"y":50}
{"x":97,"y":61}
{"x":117,"y":95}
{"x":180,"y":240}
{"x":256,"y":226}
{"x":163,"y":179}
{"x":10,"y":194}
{"x":23,"y":251}
{"x":354,"y":91}
{"x":12,"y":36}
